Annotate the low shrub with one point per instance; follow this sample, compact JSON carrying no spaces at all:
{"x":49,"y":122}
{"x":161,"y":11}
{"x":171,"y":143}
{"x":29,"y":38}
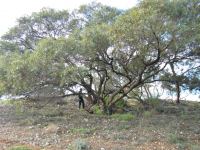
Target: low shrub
{"x":175,"y":139}
{"x":195,"y":147}
{"x":96,"y":110}
{"x":153,"y":102}
{"x":80,"y":144}
{"x":6,"y":102}
{"x":120,"y":104}
{"x":149,"y":113}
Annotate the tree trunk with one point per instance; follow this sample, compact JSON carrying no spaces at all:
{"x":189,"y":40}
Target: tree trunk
{"x":178,"y":92}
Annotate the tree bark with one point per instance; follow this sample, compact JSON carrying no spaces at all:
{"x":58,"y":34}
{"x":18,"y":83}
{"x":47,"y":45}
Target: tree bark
{"x":177,"y":84}
{"x":178,"y":92}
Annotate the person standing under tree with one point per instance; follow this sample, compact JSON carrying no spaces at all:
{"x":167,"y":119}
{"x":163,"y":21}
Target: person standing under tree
{"x":81,"y":101}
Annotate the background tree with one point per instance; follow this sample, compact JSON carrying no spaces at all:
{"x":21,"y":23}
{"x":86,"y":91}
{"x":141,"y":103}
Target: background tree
{"x":48,"y":23}
{"x":184,"y":56}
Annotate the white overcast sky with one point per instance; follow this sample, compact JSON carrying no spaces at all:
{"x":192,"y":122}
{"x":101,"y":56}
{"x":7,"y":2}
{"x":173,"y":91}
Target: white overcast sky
{"x":10,"y":10}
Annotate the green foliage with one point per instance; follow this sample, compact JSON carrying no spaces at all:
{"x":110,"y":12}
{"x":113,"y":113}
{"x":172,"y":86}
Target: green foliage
{"x":120,"y":104}
{"x":174,"y":138}
{"x":153,"y":102}
{"x":81,"y":130}
{"x":195,"y":147}
{"x":105,"y":51}
{"x":80,"y":144}
{"x":48,"y":23}
{"x":124,"y":127}
{"x":180,"y":141}
{"x":19,"y":109}
{"x":96,"y":13}
{"x":148,"y":114}
{"x":51,"y":112}
{"x":7,"y":102}
{"x":19,"y":148}
{"x":17,"y":104}
{"x":97,"y":110}
{"x":123,"y":117}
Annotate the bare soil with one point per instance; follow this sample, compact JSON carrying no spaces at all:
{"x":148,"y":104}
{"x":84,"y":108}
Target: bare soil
{"x":51,"y":126}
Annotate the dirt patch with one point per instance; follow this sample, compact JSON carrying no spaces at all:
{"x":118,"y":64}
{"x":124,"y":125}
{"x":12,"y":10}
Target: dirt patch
{"x":51,"y":126}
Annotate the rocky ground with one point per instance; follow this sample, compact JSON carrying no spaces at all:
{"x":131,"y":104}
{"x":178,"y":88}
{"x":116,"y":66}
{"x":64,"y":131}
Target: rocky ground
{"x":53,"y":126}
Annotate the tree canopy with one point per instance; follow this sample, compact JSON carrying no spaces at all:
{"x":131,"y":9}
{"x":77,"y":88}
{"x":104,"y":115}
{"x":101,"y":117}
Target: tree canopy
{"x":110,"y":53}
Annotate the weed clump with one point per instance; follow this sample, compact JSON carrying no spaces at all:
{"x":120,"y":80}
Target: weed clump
{"x":80,"y":144}
{"x":123,"y":117}
{"x":153,"y":102}
{"x":149,"y":113}
{"x":195,"y":147}
{"x":173,"y":138}
{"x":97,"y":110}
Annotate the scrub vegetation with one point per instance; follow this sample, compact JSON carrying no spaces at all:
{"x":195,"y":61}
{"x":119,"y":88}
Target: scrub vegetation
{"x":123,"y":60}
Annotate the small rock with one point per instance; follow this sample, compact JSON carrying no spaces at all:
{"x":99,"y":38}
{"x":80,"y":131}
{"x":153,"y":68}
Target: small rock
{"x":85,"y":119}
{"x":31,"y":127}
{"x":46,"y":144}
{"x":36,"y":135}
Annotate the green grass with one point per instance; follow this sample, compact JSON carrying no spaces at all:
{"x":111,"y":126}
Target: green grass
{"x":154,"y":102}
{"x":97,"y":110}
{"x":19,"y":148}
{"x":147,"y":114}
{"x":175,"y":139}
{"x":123,"y":117}
{"x":195,"y":147}
{"x":51,"y":112}
{"x":18,"y":105}
{"x":10,"y":102}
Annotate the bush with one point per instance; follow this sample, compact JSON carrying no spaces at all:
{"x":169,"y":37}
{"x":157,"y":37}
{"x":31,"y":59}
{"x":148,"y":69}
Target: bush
{"x":153,"y":102}
{"x":17,"y":103}
{"x":96,"y":109}
{"x":80,"y":144}
{"x":148,"y":114}
{"x":6,"y":102}
{"x":120,"y":104}
{"x":175,"y":139}
{"x":123,"y":117}
{"x":195,"y":147}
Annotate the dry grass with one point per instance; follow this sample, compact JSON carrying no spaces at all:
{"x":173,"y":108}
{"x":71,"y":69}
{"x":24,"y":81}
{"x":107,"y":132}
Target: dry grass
{"x":166,"y":126}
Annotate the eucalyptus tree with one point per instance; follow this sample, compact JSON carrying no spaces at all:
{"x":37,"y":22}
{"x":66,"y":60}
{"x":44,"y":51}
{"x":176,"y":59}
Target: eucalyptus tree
{"x":48,"y":23}
{"x":108,"y":52}
{"x":94,"y":14}
{"x":183,"y":67}
{"x":62,"y":51}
